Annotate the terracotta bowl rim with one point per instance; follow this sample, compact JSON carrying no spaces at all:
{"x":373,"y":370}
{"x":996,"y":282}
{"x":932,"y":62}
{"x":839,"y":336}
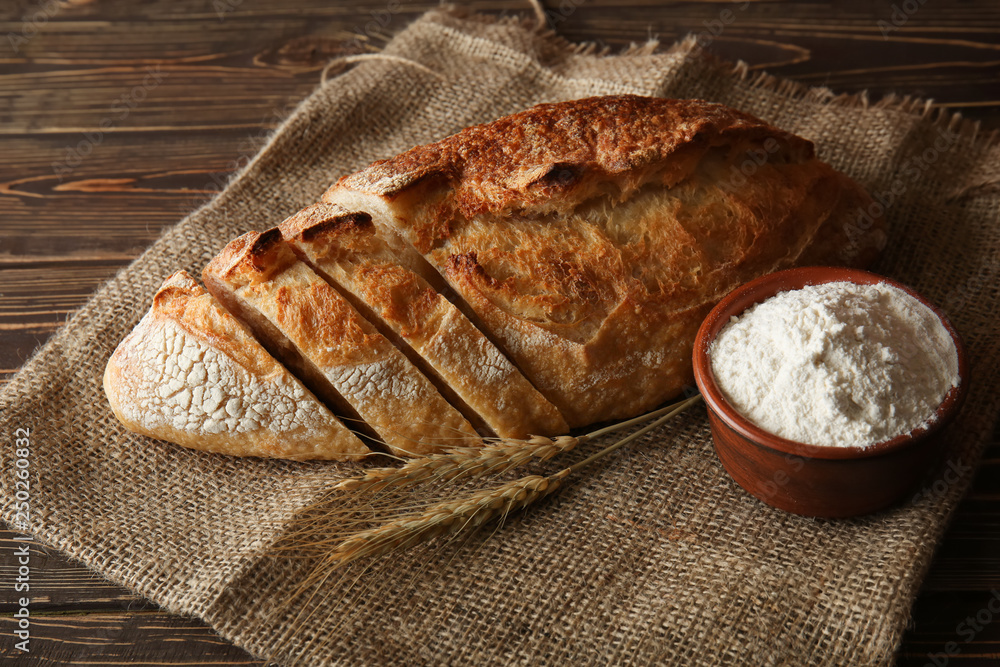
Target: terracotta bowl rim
{"x":767,"y":286}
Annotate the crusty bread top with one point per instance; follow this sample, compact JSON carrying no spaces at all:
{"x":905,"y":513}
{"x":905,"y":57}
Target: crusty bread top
{"x":332,"y":234}
{"x":255,"y":260}
{"x":183,"y":301}
{"x":536,"y":160}
{"x":252,"y":258}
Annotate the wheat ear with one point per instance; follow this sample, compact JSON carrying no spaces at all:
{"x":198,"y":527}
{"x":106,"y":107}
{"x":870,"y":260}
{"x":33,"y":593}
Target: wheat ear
{"x":386,"y":489}
{"x":460,"y":463}
{"x":495,"y":458}
{"x":478,"y":507}
{"x":448,"y":517}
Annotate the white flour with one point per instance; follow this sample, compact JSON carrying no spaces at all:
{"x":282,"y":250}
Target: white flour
{"x":836,"y":364}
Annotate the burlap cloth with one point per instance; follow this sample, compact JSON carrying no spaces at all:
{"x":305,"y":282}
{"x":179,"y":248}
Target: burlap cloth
{"x":653,"y":557}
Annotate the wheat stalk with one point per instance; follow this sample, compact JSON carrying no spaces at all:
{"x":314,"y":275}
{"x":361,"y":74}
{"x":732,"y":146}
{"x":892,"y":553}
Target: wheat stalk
{"x":385,"y":492}
{"x":463,"y":462}
{"x":448,"y":517}
{"x":479,"y":507}
{"x":459,"y":463}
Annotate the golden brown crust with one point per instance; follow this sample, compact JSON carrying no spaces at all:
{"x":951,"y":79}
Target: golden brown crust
{"x":341,"y":355}
{"x":590,"y":237}
{"x":346,"y":248}
{"x":191,"y":374}
{"x":535,"y":160}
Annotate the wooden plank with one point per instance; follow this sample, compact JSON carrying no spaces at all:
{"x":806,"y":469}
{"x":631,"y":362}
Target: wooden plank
{"x":146,"y":637}
{"x":57,"y":583}
{"x":262,"y":54}
{"x":143,"y":183}
{"x":955,"y":629}
{"x":39,"y":296}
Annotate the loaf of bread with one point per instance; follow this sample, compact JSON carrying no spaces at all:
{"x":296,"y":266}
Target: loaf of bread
{"x":544,"y":271}
{"x":191,"y":374}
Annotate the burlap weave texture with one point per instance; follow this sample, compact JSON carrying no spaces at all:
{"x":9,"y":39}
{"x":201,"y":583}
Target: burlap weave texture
{"x":655,"y":556}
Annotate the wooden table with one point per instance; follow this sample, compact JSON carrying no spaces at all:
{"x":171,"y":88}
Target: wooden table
{"x":118,"y":118}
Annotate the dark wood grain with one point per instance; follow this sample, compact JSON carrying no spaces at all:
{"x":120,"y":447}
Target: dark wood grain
{"x":147,"y":637}
{"x":118,"y":118}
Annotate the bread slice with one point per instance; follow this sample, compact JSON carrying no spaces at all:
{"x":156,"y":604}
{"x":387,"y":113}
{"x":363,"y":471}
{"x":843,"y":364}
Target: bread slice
{"x":311,"y":328}
{"x":189,"y":373}
{"x":590,"y":238}
{"x":346,"y":249}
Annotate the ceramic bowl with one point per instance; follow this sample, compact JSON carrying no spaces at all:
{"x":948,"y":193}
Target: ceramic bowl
{"x":812,"y":480}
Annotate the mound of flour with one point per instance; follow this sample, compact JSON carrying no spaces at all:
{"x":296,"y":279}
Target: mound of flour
{"x":836,"y":364}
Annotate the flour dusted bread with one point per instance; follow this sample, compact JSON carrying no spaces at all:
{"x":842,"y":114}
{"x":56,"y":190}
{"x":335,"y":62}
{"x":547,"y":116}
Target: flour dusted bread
{"x":347,"y":249}
{"x":339,"y":354}
{"x":191,"y":374}
{"x":589,"y":238}
{"x":547,"y":270}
